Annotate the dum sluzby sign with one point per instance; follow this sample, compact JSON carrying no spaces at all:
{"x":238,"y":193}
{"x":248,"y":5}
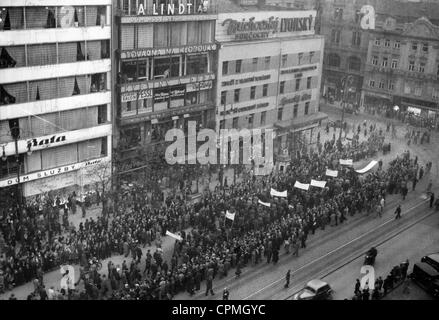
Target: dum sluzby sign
{"x":171,"y":9}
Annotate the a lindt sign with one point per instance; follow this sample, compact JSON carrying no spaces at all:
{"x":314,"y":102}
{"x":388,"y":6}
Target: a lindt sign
{"x":171,"y":9}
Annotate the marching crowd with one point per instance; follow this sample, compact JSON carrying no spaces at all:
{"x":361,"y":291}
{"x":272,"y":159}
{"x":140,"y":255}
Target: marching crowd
{"x":213,"y":247}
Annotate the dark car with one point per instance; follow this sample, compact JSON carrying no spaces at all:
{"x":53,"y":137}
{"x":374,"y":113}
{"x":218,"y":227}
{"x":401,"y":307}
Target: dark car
{"x":427,"y":277}
{"x":432,"y":260}
{"x":314,"y":290}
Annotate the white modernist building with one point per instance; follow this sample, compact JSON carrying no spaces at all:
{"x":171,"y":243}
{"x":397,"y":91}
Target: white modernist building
{"x":55,"y":94}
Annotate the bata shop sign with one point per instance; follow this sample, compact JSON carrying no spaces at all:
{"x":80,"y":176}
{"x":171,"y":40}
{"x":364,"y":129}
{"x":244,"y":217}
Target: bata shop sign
{"x":52,"y":172}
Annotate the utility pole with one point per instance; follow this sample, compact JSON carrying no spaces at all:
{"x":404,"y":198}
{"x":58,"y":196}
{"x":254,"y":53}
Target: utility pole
{"x":346,"y":84}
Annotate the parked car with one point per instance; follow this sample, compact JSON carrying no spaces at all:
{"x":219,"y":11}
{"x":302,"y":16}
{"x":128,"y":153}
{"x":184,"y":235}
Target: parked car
{"x":314,"y":290}
{"x":432,"y":260}
{"x":426,"y":277}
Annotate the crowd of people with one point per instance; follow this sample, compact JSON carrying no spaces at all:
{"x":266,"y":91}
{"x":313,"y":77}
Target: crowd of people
{"x":213,"y":246}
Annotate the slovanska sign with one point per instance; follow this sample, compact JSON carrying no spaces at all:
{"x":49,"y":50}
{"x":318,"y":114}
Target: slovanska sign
{"x":150,"y":52}
{"x":254,"y":30}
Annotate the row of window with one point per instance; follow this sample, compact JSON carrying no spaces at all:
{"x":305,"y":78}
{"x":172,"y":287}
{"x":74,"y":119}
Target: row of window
{"x":54,"y":88}
{"x":412,"y":66}
{"x":164,"y":67}
{"x":17,"y":18}
{"x":264,"y":63}
{"x":263,"y":116}
{"x":355,"y":40}
{"x":53,"y":53}
{"x":408,"y":89}
{"x":415,"y":46}
{"x":238,"y":96}
{"x":383,"y":84}
{"x":334,"y":60}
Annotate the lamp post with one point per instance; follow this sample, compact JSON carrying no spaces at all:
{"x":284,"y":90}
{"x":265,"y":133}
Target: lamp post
{"x":15,"y":134}
{"x":346,"y":83}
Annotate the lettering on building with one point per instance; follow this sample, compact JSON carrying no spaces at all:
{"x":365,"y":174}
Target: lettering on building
{"x":296,"y":99}
{"x":150,"y":52}
{"x":171,"y":9}
{"x":296,"y":24}
{"x":294,"y":70}
{"x":45,"y":142}
{"x":245,"y":80}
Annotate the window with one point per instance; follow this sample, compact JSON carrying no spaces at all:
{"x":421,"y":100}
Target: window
{"x":306,"y":108}
{"x":435,"y":94}
{"x":129,"y":71}
{"x":415,"y":46}
{"x":422,"y":67}
{"x":356,"y":38}
{"x":235,"y":123}
{"x":334,"y":60}
{"x":298,"y":84}
{"x":299,"y":57}
{"x":252,"y":92}
{"x":196,"y":64}
{"x":236,"y":95}
{"x":250,"y":120}
{"x":267,"y":61}
{"x":284,"y":60}
{"x":295,"y":110}
{"x":238,"y":66}
{"x":354,"y":63}
{"x":280,"y":112}
{"x":375,"y":60}
{"x":222,"y":124}
{"x":308,"y":82}
{"x":381,"y":85}
{"x":418,"y":91}
{"x":255,"y":61}
{"x":377,"y":42}
{"x":371,"y":83}
{"x":394,"y":64}
{"x":167,"y":67}
{"x":425,"y":47}
{"x":223,"y":97}
{"x":335,"y":36}
{"x":264,"y":90}
{"x":391,"y":85}
{"x":397,"y":44}
{"x":407,"y":89}
{"x":225,"y":67}
{"x":282,"y":87}
{"x":263,"y":116}
{"x":387,"y":43}
{"x":385,"y":61}
{"x":411,"y":65}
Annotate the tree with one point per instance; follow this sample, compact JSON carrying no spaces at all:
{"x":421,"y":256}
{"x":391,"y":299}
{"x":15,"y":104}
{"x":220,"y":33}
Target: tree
{"x":100,"y":174}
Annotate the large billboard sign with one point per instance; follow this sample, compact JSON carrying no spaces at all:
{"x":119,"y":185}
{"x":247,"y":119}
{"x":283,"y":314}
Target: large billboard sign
{"x":368,"y":17}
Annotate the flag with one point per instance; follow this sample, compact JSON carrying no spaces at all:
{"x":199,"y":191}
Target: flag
{"x":371,"y":164}
{"x":346,"y":162}
{"x":318,"y":184}
{"x":302,"y":186}
{"x":332,"y":173}
{"x":173,"y":235}
{"x":264,"y":203}
{"x":276,"y":193}
{"x":230,"y":216}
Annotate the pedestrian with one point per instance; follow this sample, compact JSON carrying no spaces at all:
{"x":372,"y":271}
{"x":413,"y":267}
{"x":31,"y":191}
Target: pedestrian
{"x":226,"y":294}
{"x":366,"y":294}
{"x":83,"y":210}
{"x":287,"y":278}
{"x":398,"y":212}
{"x":431,"y":200}
{"x":209,"y":285}
{"x":357,"y":286}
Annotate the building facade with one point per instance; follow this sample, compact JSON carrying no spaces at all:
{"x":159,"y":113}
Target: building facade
{"x":165,"y":73}
{"x":402,"y":67}
{"x":269,"y":77}
{"x":55,"y":98}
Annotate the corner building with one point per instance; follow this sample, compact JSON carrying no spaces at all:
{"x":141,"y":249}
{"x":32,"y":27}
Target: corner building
{"x":165,"y":73}
{"x":55,"y":98}
{"x":270,"y":65}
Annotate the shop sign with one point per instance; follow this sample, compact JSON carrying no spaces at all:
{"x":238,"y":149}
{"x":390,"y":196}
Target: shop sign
{"x":296,"y":99}
{"x":45,"y":142}
{"x":150,"y":52}
{"x":140,"y":95}
{"x":51,"y":172}
{"x":294,"y":70}
{"x":205,"y":85}
{"x":245,"y":80}
{"x":177,"y":92}
{"x":171,"y":9}
{"x":162,"y":83}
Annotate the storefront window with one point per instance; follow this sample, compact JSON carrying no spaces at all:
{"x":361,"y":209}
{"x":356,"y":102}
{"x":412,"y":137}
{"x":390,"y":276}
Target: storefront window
{"x":191,"y":98}
{"x":196,"y":64}
{"x":129,"y":71}
{"x":167,"y":67}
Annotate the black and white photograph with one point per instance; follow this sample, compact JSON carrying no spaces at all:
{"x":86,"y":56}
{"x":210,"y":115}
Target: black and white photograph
{"x":219,"y":155}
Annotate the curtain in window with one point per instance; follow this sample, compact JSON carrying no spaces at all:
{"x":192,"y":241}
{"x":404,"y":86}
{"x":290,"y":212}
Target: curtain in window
{"x":92,"y":16}
{"x":60,"y":156}
{"x":94,"y":50}
{"x":7,"y":24}
{"x":127,"y":37}
{"x":76,"y":90}
{"x":51,"y":21}
{"x":25,"y":125}
{"x":34,"y":161}
{"x":6,"y":61}
{"x":18,"y":55}
{"x":41,"y":54}
{"x":145,"y":36}
{"x":5,"y":97}
{"x":44,"y":124}
{"x":71,"y":119}
{"x":161,"y":35}
{"x":67,"y":52}
{"x":37,"y":96}
{"x":90,"y":149}
{"x":47,"y":89}
{"x":92,"y":117}
{"x":206,"y":32}
{"x":4,"y":132}
{"x":178,"y":34}
{"x":36,"y":17}
{"x":192,"y":32}
{"x":79,"y":51}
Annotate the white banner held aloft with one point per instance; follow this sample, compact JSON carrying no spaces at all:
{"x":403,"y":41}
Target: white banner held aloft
{"x":276,"y":193}
{"x":319,"y":184}
{"x":173,"y":235}
{"x":371,"y":164}
{"x":332,"y":173}
{"x":264,"y":203}
{"x":346,"y":162}
{"x":230,"y":216}
{"x":302,"y":186}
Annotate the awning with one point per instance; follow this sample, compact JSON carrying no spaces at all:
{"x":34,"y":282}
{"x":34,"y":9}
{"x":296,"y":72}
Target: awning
{"x":301,"y":123}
